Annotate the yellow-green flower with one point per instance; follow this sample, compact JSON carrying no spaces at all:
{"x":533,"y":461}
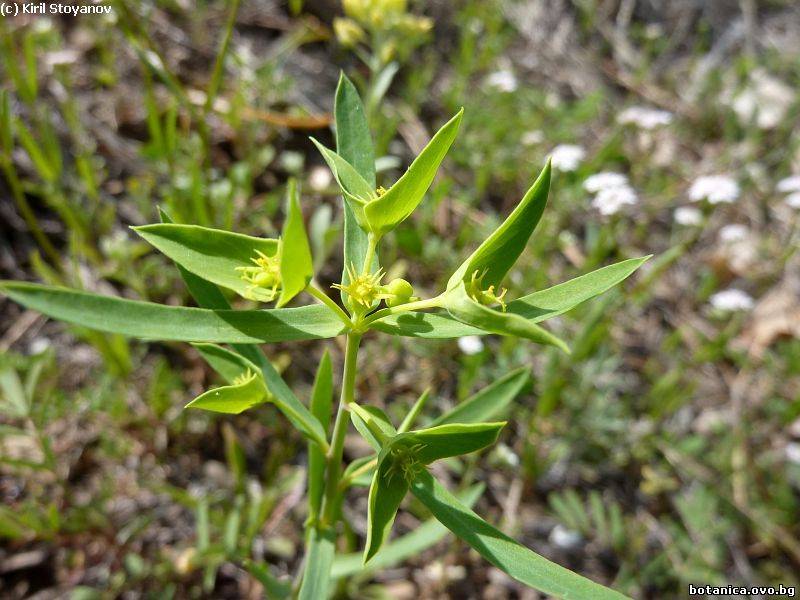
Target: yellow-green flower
{"x":265,"y":277}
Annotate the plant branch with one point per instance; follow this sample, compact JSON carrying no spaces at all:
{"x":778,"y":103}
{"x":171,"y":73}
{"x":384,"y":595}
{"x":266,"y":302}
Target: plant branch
{"x":417,"y":305}
{"x":314,"y":289}
{"x":333,"y":467}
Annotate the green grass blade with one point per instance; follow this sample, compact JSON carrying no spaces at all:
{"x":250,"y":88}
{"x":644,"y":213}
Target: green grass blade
{"x":506,"y":554}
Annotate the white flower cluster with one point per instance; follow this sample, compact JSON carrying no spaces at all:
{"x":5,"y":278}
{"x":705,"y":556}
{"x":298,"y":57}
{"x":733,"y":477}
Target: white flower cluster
{"x":567,"y":157}
{"x":470,"y":344}
{"x":503,"y":80}
{"x":731,"y":300}
{"x":714,"y":188}
{"x":644,"y":117}
{"x":791,"y":187}
{"x":733,"y":233}
{"x":612,"y":192}
{"x":688,"y":216}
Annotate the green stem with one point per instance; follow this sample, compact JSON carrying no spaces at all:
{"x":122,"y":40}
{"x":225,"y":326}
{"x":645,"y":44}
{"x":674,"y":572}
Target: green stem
{"x":335,"y":452}
{"x":346,"y":481}
{"x":418,"y":305}
{"x":314,"y":289}
{"x":372,"y":242}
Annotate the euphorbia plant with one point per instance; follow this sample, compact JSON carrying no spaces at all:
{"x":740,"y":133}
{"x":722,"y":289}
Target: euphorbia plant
{"x":278,"y":270}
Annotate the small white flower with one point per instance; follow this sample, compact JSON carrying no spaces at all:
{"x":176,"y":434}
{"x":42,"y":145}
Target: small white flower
{"x":320,"y":178}
{"x":732,"y":300}
{"x":609,"y":201}
{"x":792,"y":452}
{"x":470,"y":344}
{"x":789,"y":184}
{"x":567,"y":157}
{"x":793,"y":200}
{"x":565,"y":538}
{"x":733,"y":233}
{"x":644,"y":117}
{"x":688,"y":216}
{"x":502,"y":80}
{"x":715,"y":189}
{"x":531,"y":138}
{"x":601,"y":181}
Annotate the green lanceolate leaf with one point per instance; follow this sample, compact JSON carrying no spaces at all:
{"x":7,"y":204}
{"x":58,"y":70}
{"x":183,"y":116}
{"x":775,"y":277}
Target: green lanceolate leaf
{"x":316,"y":574}
{"x":386,"y":211}
{"x":229,"y":365}
{"x":208,"y":295}
{"x":246,"y":392}
{"x":495,"y":256}
{"x":215,"y":255}
{"x":488,"y":402}
{"x":246,"y":383}
{"x":395,"y":552}
{"x":464,"y":308}
{"x":443,"y":441}
{"x":296,"y":266}
{"x":321,"y":408}
{"x":354,"y":145}
{"x":355,"y":187}
{"x":152,"y":321}
{"x":560,"y":298}
{"x":425,"y":325}
{"x":412,"y":415}
{"x":353,"y":138}
{"x":389,"y":487}
{"x":506,"y":554}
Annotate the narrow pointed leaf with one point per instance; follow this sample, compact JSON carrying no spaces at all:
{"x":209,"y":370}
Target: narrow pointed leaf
{"x":487,"y":403}
{"x":208,"y":295}
{"x":275,"y":588}
{"x":438,"y":325}
{"x":354,"y":186}
{"x":297,"y":267}
{"x":387,"y":491}
{"x":560,"y":298}
{"x":453,"y":439}
{"x":291,"y":407}
{"x":354,"y":145}
{"x":316,"y":574}
{"x":503,"y":552}
{"x":387,"y":211}
{"x":321,"y":408}
{"x":353,"y":139}
{"x":501,"y":250}
{"x":152,"y":321}
{"x":233,"y":399}
{"x":412,"y":415}
{"x":212,"y":254}
{"x":466,"y":310}
{"x":395,"y":552}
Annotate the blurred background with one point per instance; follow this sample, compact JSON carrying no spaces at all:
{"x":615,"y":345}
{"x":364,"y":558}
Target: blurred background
{"x":665,"y":451}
